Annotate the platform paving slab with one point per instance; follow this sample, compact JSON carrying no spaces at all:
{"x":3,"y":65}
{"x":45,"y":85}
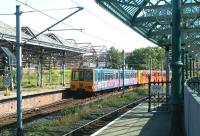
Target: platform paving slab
{"x":138,"y":122}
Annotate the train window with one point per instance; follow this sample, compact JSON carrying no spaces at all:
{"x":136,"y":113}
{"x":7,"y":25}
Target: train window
{"x":74,"y":75}
{"x":102,"y":76}
{"x":81,"y":75}
{"x":106,"y":77}
{"x":99,"y":76}
{"x":96,"y":76}
{"x":89,"y":76}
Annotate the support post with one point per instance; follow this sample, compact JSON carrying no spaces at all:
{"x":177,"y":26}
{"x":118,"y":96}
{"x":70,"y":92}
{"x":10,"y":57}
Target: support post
{"x":63,"y":75}
{"x":193,"y":69}
{"x":41,"y":72}
{"x":29,"y":72}
{"x":150,"y":69}
{"x":186,"y":64}
{"x":197,"y":67}
{"x":183,"y":69}
{"x":49,"y":71}
{"x":149,"y":93}
{"x":176,"y":101}
{"x":38,"y":72}
{"x":190,"y":66}
{"x":123,"y":69}
{"x":161,"y":70}
{"x":167,"y":74}
{"x":19,"y":68}
{"x":11,"y":75}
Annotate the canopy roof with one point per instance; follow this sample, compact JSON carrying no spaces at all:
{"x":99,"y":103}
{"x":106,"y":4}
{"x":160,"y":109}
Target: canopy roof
{"x":152,"y":19}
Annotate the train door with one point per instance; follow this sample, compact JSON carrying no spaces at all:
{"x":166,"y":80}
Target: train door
{"x":81,"y":79}
{"x":74,"y":84}
{"x":89,"y":80}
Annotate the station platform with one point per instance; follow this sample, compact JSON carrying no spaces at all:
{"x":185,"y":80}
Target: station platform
{"x":138,"y":122}
{"x":13,"y":94}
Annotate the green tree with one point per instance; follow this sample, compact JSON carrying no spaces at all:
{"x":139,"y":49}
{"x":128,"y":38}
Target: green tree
{"x":114,"y":57}
{"x":139,"y":58}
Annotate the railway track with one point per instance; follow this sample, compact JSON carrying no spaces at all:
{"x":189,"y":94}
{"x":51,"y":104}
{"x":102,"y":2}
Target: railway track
{"x":39,"y":112}
{"x":100,"y":122}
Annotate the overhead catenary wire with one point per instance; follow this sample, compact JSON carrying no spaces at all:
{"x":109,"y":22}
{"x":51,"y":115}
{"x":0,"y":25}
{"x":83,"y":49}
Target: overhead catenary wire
{"x":98,"y":17}
{"x":83,"y":32}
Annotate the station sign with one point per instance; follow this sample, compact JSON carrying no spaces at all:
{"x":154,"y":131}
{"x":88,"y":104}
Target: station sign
{"x":156,"y":89}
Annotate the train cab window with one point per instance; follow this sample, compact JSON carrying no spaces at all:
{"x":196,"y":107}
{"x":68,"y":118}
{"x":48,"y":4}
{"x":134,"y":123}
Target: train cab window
{"x":81,"y":75}
{"x":89,"y":76}
{"x":74,"y":75}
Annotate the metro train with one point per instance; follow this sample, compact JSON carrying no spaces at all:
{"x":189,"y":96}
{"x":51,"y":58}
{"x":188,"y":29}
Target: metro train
{"x":94,"y":80}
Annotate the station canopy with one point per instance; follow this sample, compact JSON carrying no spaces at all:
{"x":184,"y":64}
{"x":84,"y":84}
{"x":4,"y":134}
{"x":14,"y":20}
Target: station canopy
{"x":152,"y":19}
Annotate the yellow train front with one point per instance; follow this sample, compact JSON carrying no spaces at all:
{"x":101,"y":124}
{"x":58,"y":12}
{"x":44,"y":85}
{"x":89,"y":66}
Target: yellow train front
{"x":82,"y":79}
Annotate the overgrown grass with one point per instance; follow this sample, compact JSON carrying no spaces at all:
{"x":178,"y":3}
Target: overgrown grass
{"x":29,"y":79}
{"x":71,"y":117}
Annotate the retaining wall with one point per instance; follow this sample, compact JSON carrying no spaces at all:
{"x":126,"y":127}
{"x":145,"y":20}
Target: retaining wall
{"x":8,"y":106}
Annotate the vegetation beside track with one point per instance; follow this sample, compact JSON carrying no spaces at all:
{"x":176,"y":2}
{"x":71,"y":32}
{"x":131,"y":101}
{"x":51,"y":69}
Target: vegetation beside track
{"x":29,"y":80}
{"x":73,"y":117}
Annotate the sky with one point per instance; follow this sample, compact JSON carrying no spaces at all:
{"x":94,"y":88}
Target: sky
{"x":99,"y":26}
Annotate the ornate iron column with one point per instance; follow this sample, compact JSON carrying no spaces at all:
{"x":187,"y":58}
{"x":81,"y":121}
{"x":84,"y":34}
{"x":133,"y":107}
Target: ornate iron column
{"x":183,"y":71}
{"x":193,"y":69}
{"x":176,"y":100}
{"x":186,"y":64}
{"x":190,"y":66}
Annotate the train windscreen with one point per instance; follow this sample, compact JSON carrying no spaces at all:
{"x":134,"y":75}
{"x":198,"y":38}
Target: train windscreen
{"x":75,"y":75}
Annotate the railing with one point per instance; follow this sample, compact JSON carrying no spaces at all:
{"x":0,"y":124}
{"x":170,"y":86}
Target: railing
{"x":192,"y":106}
{"x":194,"y":84}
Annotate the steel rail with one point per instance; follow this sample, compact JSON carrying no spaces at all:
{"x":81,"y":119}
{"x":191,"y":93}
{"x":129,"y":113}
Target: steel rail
{"x":80,"y":130}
